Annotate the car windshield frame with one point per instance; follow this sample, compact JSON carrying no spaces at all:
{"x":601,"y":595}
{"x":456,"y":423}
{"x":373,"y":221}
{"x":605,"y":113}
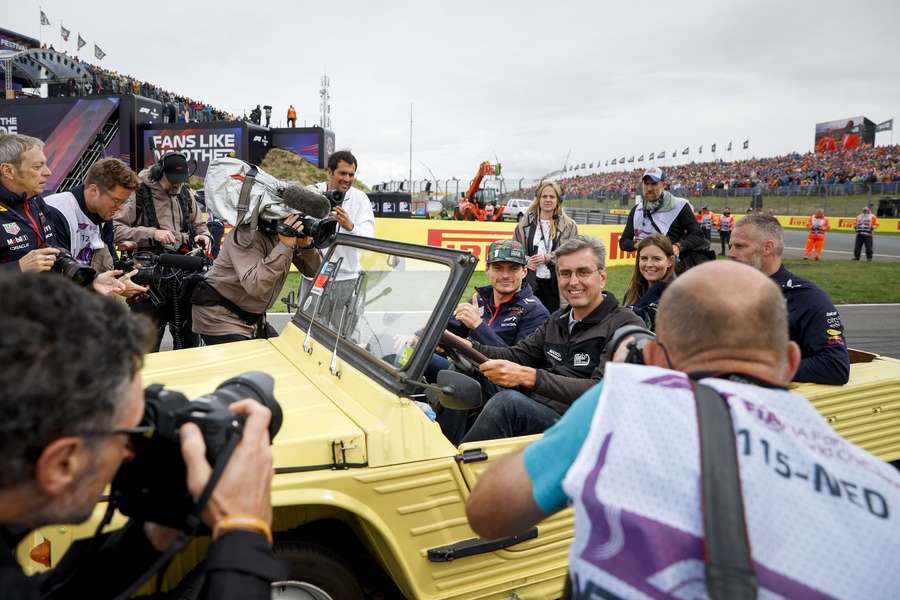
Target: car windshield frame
{"x":398,"y":380}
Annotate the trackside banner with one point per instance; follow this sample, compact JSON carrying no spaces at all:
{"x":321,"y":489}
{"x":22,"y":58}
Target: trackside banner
{"x":840,"y":223}
{"x":475,"y":237}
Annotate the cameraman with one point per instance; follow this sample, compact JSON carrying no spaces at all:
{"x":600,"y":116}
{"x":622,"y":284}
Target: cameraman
{"x":230,"y":304}
{"x":28,"y":241}
{"x":355,"y":217}
{"x":627,"y":458}
{"x":72,"y":393}
{"x":164,"y":213}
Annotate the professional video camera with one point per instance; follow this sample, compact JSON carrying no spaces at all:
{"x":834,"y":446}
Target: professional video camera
{"x":74,"y":270}
{"x":171,"y":273}
{"x":152,"y":487}
{"x":244,"y":194}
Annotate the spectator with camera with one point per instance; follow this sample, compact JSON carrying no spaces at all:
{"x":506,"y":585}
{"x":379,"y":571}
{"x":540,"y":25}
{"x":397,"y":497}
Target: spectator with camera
{"x":73,"y":397}
{"x":657,"y":210}
{"x":353,"y":211}
{"x":654,"y":270}
{"x":649,"y":459}
{"x":230,"y":304}
{"x":163,"y":216}
{"x":545,"y":372}
{"x":814,"y":322}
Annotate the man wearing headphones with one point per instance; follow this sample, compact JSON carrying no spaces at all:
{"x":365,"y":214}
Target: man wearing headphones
{"x":163,"y":212}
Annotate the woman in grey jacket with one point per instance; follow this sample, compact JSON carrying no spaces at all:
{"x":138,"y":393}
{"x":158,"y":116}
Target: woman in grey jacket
{"x":543,"y":228}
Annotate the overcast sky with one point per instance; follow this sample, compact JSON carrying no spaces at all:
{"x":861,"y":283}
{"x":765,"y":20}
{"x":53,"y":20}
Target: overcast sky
{"x":527,"y":82}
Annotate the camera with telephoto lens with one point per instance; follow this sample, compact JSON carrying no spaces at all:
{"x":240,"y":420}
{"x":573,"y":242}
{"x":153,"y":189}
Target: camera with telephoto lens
{"x":180,"y":265}
{"x":638,"y":336}
{"x":152,"y":487}
{"x":335,"y":197}
{"x":79,"y":273}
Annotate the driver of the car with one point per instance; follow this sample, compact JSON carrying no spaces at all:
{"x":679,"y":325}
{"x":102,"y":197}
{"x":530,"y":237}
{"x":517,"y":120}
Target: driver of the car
{"x":561,"y":359}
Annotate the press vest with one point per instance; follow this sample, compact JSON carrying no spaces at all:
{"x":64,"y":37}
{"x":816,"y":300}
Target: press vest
{"x":865,"y":223}
{"x":643,"y":226}
{"x":706,"y":221}
{"x":84,"y":234}
{"x":822,"y":514}
{"x":817,"y":225}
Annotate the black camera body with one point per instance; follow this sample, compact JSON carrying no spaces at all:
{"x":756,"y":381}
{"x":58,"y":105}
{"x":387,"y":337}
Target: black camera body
{"x":335,"y":197}
{"x":173,"y":272}
{"x":152,"y":487}
{"x":79,"y":273}
{"x":639,"y":335}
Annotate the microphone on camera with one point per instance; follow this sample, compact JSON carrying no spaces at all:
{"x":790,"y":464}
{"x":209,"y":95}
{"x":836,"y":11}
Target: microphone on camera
{"x":305,"y":200}
{"x":185,"y":262}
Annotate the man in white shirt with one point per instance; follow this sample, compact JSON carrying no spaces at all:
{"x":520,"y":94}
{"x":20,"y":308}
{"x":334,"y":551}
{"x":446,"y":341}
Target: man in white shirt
{"x":355,"y":217}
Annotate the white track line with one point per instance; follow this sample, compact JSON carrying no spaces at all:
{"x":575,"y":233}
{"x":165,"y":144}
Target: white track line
{"x":843,"y":252}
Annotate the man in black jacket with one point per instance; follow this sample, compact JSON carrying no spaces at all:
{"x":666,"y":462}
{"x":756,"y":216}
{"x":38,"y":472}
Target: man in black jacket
{"x":72,"y":394}
{"x":656,"y":210}
{"x":562,"y":358}
{"x":813,"y":320}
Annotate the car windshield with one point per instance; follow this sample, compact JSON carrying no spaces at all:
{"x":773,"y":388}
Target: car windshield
{"x":382,"y":307}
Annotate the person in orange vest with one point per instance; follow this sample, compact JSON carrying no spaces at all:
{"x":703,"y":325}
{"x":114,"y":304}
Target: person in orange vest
{"x":292,"y":115}
{"x":726,"y":226}
{"x":707,"y":220}
{"x":865,"y":226}
{"x":818,"y":225}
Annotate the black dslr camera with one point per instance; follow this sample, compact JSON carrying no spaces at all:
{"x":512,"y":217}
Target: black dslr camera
{"x":152,"y":487}
{"x":335,"y":197}
{"x":640,"y":336}
{"x":79,"y":273}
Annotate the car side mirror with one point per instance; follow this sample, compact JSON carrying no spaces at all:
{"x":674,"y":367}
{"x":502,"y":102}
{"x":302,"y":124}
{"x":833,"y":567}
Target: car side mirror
{"x":458,"y":391}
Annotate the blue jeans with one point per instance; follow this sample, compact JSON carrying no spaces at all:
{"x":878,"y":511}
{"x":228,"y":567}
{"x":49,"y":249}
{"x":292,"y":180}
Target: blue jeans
{"x":509,"y":414}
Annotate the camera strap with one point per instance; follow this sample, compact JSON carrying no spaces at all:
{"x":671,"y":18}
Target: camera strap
{"x":192,"y":524}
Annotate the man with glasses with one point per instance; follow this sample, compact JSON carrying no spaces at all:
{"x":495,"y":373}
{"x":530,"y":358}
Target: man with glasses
{"x":562,"y":358}
{"x":72,"y":397}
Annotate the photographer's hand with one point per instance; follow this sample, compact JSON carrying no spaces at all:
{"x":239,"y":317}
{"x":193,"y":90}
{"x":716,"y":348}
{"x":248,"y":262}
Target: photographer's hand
{"x":246,"y":484}
{"x":294,"y":222}
{"x":131,"y":288}
{"x":164,"y":236}
{"x":343,"y":217}
{"x":39,"y":259}
{"x":108,"y":284}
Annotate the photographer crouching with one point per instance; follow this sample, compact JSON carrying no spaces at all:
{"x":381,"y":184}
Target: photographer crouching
{"x":73,"y":398}
{"x":163,"y":218}
{"x":231,"y":303}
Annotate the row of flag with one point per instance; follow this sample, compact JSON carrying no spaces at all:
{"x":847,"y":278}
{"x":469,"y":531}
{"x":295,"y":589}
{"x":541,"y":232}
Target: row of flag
{"x":652,"y":156}
{"x":65,"y":33}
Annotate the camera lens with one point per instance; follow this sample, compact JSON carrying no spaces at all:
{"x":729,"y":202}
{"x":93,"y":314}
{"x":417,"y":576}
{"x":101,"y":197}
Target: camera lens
{"x":81,"y":274}
{"x":258,"y":386}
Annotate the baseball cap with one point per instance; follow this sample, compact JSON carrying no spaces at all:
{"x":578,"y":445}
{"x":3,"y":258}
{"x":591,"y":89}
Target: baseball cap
{"x":866,"y":208}
{"x":506,"y":251}
{"x":175,"y":168}
{"x":654,"y":173}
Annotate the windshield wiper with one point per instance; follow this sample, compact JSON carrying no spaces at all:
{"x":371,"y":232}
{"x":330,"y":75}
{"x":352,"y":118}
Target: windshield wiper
{"x":353,"y":301}
{"x":330,"y":271}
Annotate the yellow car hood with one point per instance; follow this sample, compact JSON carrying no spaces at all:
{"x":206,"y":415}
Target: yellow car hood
{"x":313,"y":428}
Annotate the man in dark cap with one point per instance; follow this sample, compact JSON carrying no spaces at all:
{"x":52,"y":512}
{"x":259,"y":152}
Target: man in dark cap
{"x":164,"y":213}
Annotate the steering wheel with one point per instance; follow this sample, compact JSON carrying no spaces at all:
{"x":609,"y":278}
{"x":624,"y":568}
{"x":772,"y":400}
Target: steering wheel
{"x":465,"y":358}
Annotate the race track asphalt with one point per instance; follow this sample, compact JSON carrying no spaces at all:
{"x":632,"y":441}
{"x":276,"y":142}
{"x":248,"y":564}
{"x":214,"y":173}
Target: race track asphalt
{"x":840,"y":246}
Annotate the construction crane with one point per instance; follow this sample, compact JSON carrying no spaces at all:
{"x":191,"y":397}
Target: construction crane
{"x":480,"y":204}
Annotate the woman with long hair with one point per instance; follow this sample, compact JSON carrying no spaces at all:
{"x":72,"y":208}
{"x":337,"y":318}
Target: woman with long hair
{"x":654,"y":270}
{"x":543,"y":228}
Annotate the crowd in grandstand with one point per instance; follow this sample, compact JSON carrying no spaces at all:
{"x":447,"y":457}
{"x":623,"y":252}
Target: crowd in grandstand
{"x":858,"y":166}
{"x":178,"y":109}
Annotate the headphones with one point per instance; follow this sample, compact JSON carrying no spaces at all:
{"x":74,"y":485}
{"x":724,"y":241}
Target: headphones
{"x":156,"y":171}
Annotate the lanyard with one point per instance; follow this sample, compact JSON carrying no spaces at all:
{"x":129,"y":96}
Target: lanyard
{"x":29,"y":218}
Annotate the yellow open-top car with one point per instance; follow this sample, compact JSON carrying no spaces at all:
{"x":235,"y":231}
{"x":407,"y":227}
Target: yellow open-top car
{"x":368,"y":495}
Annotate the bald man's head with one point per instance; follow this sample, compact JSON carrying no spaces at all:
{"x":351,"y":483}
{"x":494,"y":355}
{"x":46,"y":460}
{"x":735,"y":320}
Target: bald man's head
{"x":723,"y":310}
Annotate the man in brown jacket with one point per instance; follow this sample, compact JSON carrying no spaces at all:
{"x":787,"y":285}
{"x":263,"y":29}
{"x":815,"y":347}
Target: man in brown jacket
{"x":249,"y":273}
{"x":163,"y":212}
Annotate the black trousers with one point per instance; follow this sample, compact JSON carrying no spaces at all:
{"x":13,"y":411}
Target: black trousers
{"x":725,"y":238}
{"x":174,"y":313}
{"x":547,"y":291}
{"x":860,"y":241}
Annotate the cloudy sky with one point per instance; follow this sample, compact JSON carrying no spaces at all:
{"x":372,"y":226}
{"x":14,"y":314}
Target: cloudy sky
{"x":527,"y":82}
